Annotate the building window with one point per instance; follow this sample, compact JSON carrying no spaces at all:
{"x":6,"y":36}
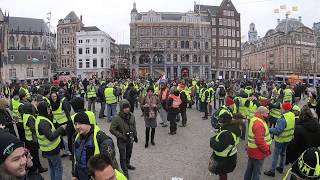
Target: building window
{"x":94,"y":62}
{"x":175,"y":44}
{"x":87,"y":63}
{"x":102,"y":50}
{"x":80,"y":63}
{"x":101,"y":62}
{"x":44,"y":57}
{"x":12,"y":73}
{"x":87,"y":40}
{"x":29,"y":57}
{"x":182,"y":44}
{"x":237,"y":23}
{"x":94,"y":40}
{"x":80,"y":50}
{"x":12,"y":58}
{"x":87,"y":50}
{"x":220,"y":42}
{"x":94,"y":50}
{"x":102,"y":40}
{"x":29,"y":72}
{"x":80,"y":41}
{"x":45,"y":71}
{"x":187,"y":45}
{"x":214,"y":42}
{"x":168,"y":43}
{"x":206,"y":59}
{"x":175,"y":58}
{"x":195,"y":58}
{"x":206,"y":45}
{"x":168,"y":57}
{"x":220,"y":21}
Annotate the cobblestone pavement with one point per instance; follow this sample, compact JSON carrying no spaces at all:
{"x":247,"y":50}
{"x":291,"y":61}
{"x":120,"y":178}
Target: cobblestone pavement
{"x":184,"y":155}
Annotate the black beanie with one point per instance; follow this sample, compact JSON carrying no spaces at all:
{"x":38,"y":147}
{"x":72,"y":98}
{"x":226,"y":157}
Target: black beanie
{"x":77,"y":103}
{"x":82,"y":118}
{"x":43,"y":109}
{"x":8,"y":143}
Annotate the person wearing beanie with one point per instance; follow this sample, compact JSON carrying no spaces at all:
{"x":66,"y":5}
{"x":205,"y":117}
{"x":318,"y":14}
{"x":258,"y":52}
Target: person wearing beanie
{"x":14,"y":157}
{"x":224,"y":144}
{"x":259,"y":142}
{"x":307,"y":166}
{"x":283,"y":133}
{"x":49,"y":139}
{"x":89,"y":141}
{"x":110,"y":94}
{"x":123,"y":127}
{"x":31,"y":140}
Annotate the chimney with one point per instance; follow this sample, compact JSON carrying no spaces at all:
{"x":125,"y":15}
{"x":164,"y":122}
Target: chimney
{"x":81,"y":18}
{"x":278,"y":20}
{"x":300,"y":18}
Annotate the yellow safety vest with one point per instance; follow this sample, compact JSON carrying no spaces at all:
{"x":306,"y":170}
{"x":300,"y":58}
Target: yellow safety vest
{"x":110,"y":97}
{"x":91,"y":116}
{"x":224,"y":109}
{"x":242,"y":107}
{"x":119,"y":175}
{"x":95,"y":141}
{"x":27,"y":131}
{"x":203,"y":97}
{"x":44,"y":143}
{"x":156,"y":89}
{"x":231,"y":149}
{"x":276,"y":113}
{"x":15,"y":110}
{"x":92,"y":92}
{"x":287,"y":95}
{"x":59,"y":115}
{"x":288,"y":132}
{"x":251,"y":139}
{"x":187,"y":94}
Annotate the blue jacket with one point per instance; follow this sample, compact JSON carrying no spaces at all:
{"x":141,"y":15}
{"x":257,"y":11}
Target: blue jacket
{"x":281,"y":125}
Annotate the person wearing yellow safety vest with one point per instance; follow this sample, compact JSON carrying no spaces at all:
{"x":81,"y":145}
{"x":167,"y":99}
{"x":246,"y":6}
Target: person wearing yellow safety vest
{"x":283,"y":131}
{"x":61,"y":115}
{"x":111,"y":101}
{"x":16,"y":105}
{"x":89,"y":141}
{"x":91,"y":95}
{"x":211,"y":97}
{"x":205,"y":99}
{"x":185,"y":99}
{"x":6,"y":90}
{"x":275,"y":111}
{"x":197,"y":90}
{"x":25,"y":89}
{"x":259,"y":142}
{"x":224,"y":145}
{"x":287,"y":94}
{"x":31,"y":141}
{"x":49,"y":139}
{"x":101,"y":168}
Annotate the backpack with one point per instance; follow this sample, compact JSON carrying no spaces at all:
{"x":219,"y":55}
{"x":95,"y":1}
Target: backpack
{"x":222,"y":91}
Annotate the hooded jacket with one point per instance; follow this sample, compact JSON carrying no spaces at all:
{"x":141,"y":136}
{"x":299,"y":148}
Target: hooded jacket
{"x":123,"y":123}
{"x":306,"y":135}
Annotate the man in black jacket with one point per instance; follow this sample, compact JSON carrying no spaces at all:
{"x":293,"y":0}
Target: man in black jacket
{"x":183,"y":106}
{"x":102,"y":99}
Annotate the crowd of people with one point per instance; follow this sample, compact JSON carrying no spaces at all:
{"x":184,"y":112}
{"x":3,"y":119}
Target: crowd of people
{"x":53,"y":118}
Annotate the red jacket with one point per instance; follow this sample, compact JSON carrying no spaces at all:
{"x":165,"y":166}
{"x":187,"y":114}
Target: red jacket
{"x":263,"y":149}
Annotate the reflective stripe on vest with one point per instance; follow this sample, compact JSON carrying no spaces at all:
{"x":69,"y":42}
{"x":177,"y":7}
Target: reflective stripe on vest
{"x":176,"y":101}
{"x":15,"y":110}
{"x":45,"y":144}
{"x":27,"y":131}
{"x":203,"y":97}
{"x":231,"y":149}
{"x":288,"y":132}
{"x":59,"y":115}
{"x":242,"y":107}
{"x":110,"y":97}
{"x":92,"y":92}
{"x":287,"y":95}
{"x":224,"y":109}
{"x":276,"y":113}
{"x":251,"y":138}
{"x":95,"y":141}
{"x":187,"y":94}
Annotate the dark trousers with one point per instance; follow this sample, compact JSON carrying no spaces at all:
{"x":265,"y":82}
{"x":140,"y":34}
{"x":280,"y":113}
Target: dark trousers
{"x":125,"y":151}
{"x":153,"y":131}
{"x":70,"y":133}
{"x":205,"y":108}
{"x":183,"y":116}
{"x":34,"y":151}
{"x":172,"y":118}
{"x":21,"y":132}
{"x":103,"y":107}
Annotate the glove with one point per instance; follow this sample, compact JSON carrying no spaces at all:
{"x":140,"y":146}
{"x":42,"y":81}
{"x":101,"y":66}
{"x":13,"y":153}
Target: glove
{"x":136,"y":139}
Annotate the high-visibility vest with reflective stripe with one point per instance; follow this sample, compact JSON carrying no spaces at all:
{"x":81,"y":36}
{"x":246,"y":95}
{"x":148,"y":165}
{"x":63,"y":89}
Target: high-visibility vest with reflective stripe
{"x":119,"y":175}
{"x":197,"y":89}
{"x":201,"y":91}
{"x":27,"y":131}
{"x":46,"y":100}
{"x":211,"y":91}
{"x":176,"y":101}
{"x":276,"y":113}
{"x":28,"y":95}
{"x":203,"y":97}
{"x":251,"y":138}
{"x":156,"y":89}
{"x":187,"y":94}
{"x":288,"y":132}
{"x":224,"y":109}
{"x":287,"y":95}
{"x":59,"y":115}
{"x":15,"y":110}
{"x":231,"y":149}
{"x":91,"y":116}
{"x":92,"y":92}
{"x":251,"y":110}
{"x":242,"y":107}
{"x":7,"y":91}
{"x":95,"y":141}
{"x":44,"y":143}
{"x":109,"y":95}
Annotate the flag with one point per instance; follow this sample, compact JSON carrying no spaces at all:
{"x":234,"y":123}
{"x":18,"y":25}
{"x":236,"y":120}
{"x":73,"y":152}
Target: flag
{"x":283,"y":7}
{"x":294,"y":8}
{"x":276,"y":11}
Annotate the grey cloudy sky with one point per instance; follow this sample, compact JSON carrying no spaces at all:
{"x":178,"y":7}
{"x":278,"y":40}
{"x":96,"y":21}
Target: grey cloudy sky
{"x":113,"y":16}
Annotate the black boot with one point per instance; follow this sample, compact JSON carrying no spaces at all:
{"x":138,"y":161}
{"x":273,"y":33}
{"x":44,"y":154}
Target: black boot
{"x":147,"y":137}
{"x":153,"y":131}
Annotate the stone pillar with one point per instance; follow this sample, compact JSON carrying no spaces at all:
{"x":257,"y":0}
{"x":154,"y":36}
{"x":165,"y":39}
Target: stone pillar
{"x":179,"y":71}
{"x":190,"y":72}
{"x":171,"y":72}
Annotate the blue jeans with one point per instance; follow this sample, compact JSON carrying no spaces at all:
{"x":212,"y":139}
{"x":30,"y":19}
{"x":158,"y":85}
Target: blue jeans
{"x":253,"y":171}
{"x":55,"y":167}
{"x":111,"y":111}
{"x":103,"y":107}
{"x":279,"y":150}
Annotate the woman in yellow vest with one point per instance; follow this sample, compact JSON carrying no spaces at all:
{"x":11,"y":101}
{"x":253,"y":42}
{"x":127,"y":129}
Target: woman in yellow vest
{"x":101,"y":168}
{"x":224,"y":145}
{"x":89,"y":141}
